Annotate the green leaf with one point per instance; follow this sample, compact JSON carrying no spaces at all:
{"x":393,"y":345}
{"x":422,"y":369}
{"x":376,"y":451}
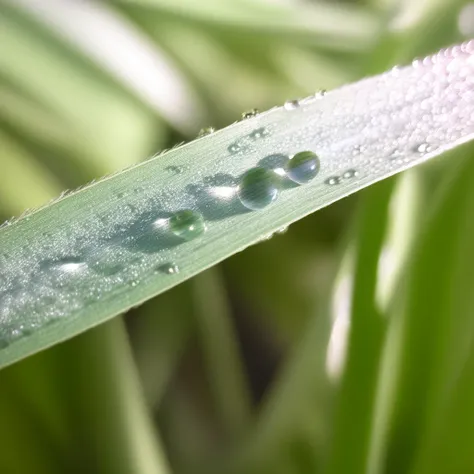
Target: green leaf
{"x":342,"y":27}
{"x":221,"y":353}
{"x":114,"y":244}
{"x":431,"y":329}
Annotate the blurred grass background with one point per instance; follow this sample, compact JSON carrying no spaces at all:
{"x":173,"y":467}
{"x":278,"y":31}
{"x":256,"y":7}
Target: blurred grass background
{"x":344,"y":345}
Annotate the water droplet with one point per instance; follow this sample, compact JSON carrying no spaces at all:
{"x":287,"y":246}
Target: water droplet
{"x":423,"y":148}
{"x":333,"y":180}
{"x":258,"y":133}
{"x":359,"y":149}
{"x":120,"y":195}
{"x":395,"y":154}
{"x":206,"y":131}
{"x":234,"y":148}
{"x":168,"y":268}
{"x":350,"y":174}
{"x":258,"y":188}
{"x":61,"y":270}
{"x":133,"y":283}
{"x":249,"y":114}
{"x":320,"y":94}
{"x":175,"y":169}
{"x":132,"y":208}
{"x":105,"y":260}
{"x":187,"y":224}
{"x":303,"y":167}
{"x":282,"y":230}
{"x":291,"y":104}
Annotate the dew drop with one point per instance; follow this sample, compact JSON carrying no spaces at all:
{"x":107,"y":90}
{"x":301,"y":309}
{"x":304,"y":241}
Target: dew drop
{"x":175,"y":169}
{"x":423,"y":148}
{"x":258,"y":188}
{"x":234,"y":148}
{"x":249,"y":114}
{"x":282,"y":230}
{"x":131,"y":208}
{"x":105,"y":260}
{"x":258,"y":133}
{"x":303,"y":167}
{"x":291,"y":104}
{"x":206,"y":131}
{"x":169,"y":268}
{"x":320,"y":94}
{"x":62,"y":269}
{"x":187,"y":224}
{"x":333,"y":180}
{"x":395,"y":154}
{"x":350,"y":174}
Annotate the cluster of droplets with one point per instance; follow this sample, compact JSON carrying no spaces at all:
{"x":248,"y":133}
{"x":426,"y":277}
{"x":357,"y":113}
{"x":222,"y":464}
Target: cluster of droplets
{"x":259,"y":186}
{"x":338,"y":179}
{"x":254,"y":190}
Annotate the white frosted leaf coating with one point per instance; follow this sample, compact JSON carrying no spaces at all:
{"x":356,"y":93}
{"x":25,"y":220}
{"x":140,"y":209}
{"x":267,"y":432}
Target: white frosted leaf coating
{"x":101,"y":250}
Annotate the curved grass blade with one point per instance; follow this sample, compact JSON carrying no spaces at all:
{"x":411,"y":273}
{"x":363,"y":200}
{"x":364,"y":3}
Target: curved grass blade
{"x":114,"y":244}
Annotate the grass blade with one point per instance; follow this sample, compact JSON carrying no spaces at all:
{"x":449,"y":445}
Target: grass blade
{"x":116,"y":243}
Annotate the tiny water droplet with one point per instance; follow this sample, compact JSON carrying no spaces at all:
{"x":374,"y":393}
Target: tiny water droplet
{"x":258,"y":188}
{"x":169,"y":268}
{"x":395,"y":154}
{"x":175,"y":169}
{"x":133,"y":283}
{"x":258,"y":133}
{"x":131,"y":207}
{"x":333,"y":180}
{"x":282,"y":230}
{"x":249,"y":114}
{"x":350,"y":174}
{"x":303,"y":167}
{"x":359,"y":149}
{"x":120,"y":195}
{"x":320,"y":94}
{"x":187,"y":224}
{"x":423,"y":148}
{"x":234,"y":148}
{"x":206,"y":131}
{"x":291,"y":104}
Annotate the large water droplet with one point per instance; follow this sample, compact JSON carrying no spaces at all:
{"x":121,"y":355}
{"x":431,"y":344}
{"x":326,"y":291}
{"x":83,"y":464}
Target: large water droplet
{"x":169,"y":268}
{"x":258,"y":188}
{"x":187,"y":224}
{"x":61,"y":271}
{"x":303,"y":167}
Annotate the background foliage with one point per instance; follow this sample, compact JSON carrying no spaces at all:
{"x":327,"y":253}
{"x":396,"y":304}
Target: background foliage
{"x":343,"y":345}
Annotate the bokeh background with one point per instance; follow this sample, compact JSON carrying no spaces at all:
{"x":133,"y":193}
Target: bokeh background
{"x":298,"y":355}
